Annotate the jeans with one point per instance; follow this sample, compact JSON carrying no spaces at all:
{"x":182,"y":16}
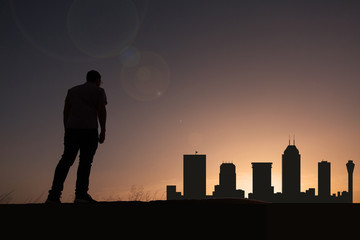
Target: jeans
{"x":85,"y":140}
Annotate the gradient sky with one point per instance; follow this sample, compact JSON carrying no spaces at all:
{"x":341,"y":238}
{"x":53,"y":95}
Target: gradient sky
{"x":229,"y":79}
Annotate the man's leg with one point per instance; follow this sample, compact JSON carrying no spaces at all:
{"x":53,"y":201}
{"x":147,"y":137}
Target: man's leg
{"x":88,"y":148}
{"x":71,"y":148}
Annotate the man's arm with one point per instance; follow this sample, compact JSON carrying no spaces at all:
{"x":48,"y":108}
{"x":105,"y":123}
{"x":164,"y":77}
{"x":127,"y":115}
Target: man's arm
{"x":66,"y":112}
{"x":102,"y":120}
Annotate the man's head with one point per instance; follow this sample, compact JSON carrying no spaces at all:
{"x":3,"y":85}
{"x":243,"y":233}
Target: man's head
{"x":94,"y":77}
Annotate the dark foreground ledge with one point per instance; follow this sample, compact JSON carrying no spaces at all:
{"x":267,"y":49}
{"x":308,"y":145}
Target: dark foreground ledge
{"x":190,"y":219}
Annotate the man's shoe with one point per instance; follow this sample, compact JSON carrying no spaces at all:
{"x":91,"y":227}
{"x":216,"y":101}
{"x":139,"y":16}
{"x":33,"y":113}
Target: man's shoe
{"x":53,"y":200}
{"x":86,"y":198}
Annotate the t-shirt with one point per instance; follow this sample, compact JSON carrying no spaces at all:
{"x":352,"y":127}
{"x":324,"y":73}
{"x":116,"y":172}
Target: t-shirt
{"x":83,"y":101}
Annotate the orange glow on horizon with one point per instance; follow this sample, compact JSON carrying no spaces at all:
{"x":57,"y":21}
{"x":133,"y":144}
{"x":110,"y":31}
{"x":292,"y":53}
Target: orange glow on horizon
{"x":229,"y":80}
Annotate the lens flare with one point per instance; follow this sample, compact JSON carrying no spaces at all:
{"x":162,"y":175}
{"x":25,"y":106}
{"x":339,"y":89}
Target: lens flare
{"x":148,"y":80}
{"x":130,"y":57}
{"x":102,"y":28}
{"x":43,"y":24}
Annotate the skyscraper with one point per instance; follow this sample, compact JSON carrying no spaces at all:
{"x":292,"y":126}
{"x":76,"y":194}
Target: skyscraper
{"x":262,"y":189}
{"x":194,"y":176}
{"x":324,"y":180}
{"x":291,"y":172}
{"x":350,"y":168}
{"x":227,"y":177}
{"x":227,"y":181}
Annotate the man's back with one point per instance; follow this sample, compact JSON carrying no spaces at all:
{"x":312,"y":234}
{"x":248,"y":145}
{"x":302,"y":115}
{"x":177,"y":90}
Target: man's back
{"x":84,"y":106}
{"x":83,"y":101}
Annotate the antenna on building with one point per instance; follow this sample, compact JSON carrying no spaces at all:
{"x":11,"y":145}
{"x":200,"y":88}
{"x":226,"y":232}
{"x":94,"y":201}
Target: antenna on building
{"x":289,"y":139}
{"x":294,"y":140}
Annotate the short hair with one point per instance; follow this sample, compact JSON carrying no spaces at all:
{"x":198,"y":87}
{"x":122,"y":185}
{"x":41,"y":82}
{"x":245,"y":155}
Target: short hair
{"x":92,"y":76}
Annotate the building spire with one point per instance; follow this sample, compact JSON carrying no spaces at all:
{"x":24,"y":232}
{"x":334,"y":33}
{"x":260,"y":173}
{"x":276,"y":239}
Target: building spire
{"x":289,"y":139}
{"x":294,"y":140}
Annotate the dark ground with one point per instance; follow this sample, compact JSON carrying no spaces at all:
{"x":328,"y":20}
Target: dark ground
{"x":190,"y":219}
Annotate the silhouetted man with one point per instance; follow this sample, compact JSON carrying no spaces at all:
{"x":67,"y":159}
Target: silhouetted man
{"x":84,"y":106}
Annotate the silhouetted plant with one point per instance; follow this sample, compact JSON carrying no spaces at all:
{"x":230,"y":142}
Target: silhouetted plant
{"x":6,"y":198}
{"x":137,"y":193}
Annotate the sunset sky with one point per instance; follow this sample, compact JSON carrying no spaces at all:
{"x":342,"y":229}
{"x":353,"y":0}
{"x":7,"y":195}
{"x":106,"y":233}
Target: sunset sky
{"x":229,"y":79}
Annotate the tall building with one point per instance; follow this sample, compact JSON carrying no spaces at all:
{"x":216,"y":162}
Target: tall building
{"x":291,"y":172}
{"x":350,"y":168}
{"x":324,"y":177}
{"x":227,"y":177}
{"x":262,"y":189}
{"x":227,"y":183}
{"x":194,"y":176}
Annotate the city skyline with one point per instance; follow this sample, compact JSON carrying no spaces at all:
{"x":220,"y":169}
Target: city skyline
{"x":231,"y":79}
{"x":194,"y":172}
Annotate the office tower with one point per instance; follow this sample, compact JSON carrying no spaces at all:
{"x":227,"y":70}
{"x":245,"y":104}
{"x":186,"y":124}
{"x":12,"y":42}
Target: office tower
{"x":291,"y":173}
{"x":324,"y":180}
{"x":194,"y":176}
{"x":227,"y":177}
{"x":262,"y":189}
{"x":227,"y":181}
{"x":350,"y":168}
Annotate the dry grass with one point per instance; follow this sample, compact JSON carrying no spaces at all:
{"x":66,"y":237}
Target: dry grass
{"x":137,"y":193}
{"x":6,"y":198}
